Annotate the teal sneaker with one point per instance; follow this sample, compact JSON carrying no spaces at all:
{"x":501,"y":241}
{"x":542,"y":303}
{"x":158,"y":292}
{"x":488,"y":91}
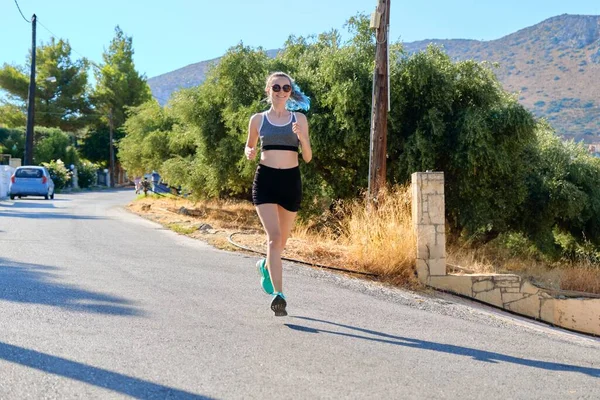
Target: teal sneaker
{"x":265,"y":278}
{"x":278,"y":304}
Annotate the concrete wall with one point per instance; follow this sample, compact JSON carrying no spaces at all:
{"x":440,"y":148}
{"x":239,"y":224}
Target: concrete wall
{"x":5,"y":174}
{"x":510,"y":292}
{"x":15,"y":162}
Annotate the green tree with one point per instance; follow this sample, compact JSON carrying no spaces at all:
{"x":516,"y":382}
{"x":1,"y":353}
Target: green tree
{"x":94,"y":143}
{"x":214,"y":118}
{"x":563,"y":192}
{"x":12,"y":141}
{"x":49,"y":144}
{"x":62,"y":104}
{"x":503,"y":174}
{"x":455,"y":117}
{"x":53,"y":144}
{"x":119,"y":85}
{"x":337,"y":76}
{"x":146,"y":143}
{"x":11,"y":116}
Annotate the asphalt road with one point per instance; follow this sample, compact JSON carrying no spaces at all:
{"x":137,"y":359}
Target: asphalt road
{"x":96,"y":302}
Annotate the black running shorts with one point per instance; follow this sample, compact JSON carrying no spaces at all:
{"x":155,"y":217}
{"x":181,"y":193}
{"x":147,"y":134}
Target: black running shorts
{"x":277,"y":186}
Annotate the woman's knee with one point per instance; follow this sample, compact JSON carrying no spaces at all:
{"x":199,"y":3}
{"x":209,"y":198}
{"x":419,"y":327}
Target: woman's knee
{"x":275,"y":240}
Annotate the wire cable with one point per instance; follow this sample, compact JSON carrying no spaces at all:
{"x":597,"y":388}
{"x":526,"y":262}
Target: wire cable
{"x":54,"y":35}
{"x":230,"y":239}
{"x":26,"y":20}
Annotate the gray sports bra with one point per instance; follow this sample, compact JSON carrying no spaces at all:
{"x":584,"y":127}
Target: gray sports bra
{"x":277,"y":137}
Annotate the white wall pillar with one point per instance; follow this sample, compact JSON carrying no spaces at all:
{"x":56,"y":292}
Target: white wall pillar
{"x":75,"y":179}
{"x":5,"y":174}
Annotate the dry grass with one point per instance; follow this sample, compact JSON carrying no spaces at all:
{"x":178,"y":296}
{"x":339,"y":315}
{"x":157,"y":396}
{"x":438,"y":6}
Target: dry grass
{"x":378,"y":240}
{"x":224,"y":214}
{"x":468,"y":260}
{"x":581,"y":278}
{"x":382,"y":239}
{"x":575,"y":276}
{"x":236,"y":215}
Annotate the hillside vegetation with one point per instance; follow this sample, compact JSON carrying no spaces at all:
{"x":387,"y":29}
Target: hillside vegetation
{"x":553,"y":66}
{"x":509,"y":179}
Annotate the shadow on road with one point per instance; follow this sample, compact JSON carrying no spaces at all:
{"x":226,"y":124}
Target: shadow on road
{"x":37,"y":284}
{"x":24,"y":203}
{"x":43,"y":215}
{"x":128,"y":385}
{"x":480,"y":355}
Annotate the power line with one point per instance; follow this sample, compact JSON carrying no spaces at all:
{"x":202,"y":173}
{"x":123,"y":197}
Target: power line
{"x":92,"y":63}
{"x":72,"y":48}
{"x":26,"y":20}
{"x":56,"y":36}
{"x":44,"y":26}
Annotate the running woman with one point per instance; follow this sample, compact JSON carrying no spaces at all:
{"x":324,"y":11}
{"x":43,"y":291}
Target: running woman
{"x":277,"y":187}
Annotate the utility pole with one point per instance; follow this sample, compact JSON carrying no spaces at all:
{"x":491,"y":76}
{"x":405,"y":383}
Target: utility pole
{"x":380,"y":21}
{"x":111,"y":149}
{"x":28,"y":158}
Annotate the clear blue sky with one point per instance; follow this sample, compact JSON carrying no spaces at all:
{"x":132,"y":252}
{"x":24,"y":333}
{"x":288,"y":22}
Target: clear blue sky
{"x":168,"y":35}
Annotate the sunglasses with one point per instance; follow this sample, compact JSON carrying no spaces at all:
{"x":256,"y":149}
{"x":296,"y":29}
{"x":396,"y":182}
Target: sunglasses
{"x":277,"y":88}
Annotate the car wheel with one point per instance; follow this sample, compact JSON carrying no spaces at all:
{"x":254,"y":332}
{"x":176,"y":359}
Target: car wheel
{"x":12,"y":197}
{"x":52,"y":196}
{"x":46,"y":196}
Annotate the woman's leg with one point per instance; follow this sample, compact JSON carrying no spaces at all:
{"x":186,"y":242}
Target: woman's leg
{"x":278,"y":223}
{"x":286,"y":223}
{"x":269,"y":216}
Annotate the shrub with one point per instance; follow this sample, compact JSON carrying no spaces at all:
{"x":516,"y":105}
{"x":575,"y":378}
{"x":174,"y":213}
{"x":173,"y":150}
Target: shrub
{"x":59,"y":173}
{"x":51,"y":144}
{"x":515,"y":244}
{"x":573,"y":250}
{"x":563,"y":204}
{"x":86,"y":174}
{"x":13,"y":141}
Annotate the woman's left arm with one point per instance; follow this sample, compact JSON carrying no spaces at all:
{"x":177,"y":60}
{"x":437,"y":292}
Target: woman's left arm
{"x":300,"y":128}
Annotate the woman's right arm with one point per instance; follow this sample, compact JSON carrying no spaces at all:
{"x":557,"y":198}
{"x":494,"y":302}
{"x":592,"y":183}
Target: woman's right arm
{"x":252,"y":140}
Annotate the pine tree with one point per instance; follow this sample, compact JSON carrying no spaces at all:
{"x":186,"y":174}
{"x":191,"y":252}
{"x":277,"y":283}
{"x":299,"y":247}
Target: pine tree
{"x":61,"y":102}
{"x":119,"y":85}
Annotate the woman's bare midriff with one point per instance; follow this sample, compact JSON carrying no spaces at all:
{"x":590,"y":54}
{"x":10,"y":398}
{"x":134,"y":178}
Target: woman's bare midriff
{"x":281,"y":159}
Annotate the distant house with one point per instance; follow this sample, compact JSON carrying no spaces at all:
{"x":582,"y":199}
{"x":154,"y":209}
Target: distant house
{"x":594,"y":149}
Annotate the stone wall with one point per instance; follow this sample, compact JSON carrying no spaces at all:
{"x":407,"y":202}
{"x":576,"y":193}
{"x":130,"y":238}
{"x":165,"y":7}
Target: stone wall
{"x":506,"y":291}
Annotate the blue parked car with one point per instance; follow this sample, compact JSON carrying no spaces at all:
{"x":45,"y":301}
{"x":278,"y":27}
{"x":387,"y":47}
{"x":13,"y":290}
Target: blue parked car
{"x":31,"y":180}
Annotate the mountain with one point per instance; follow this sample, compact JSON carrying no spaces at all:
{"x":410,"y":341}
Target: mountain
{"x":553,"y":66}
{"x":164,"y":85}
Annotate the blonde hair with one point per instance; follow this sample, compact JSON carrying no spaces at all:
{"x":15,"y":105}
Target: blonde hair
{"x":277,"y":74}
{"x":297,"y":100}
